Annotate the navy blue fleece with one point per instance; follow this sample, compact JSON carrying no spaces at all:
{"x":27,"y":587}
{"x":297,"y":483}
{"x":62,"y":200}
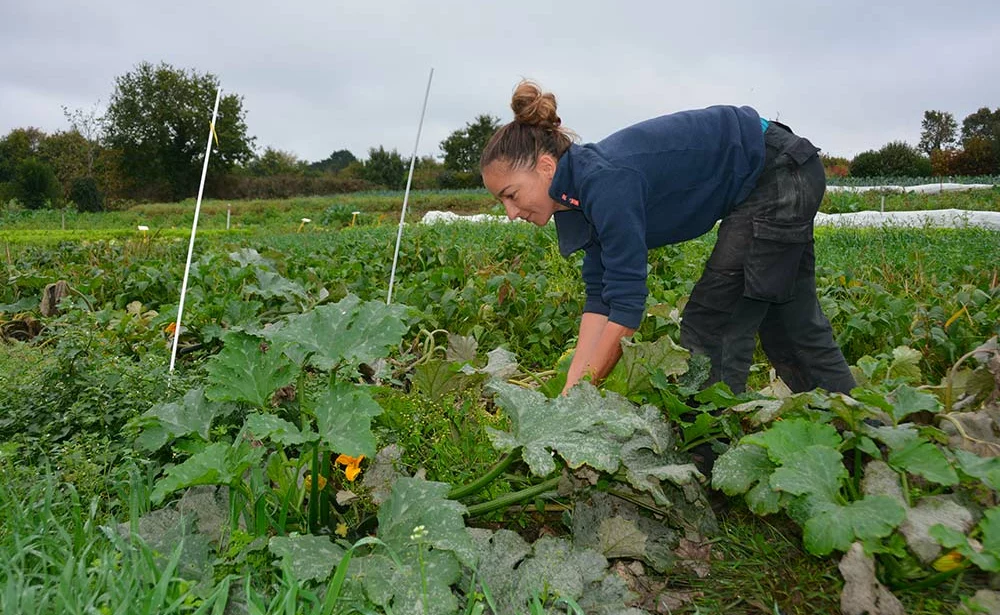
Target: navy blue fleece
{"x":662,"y":181}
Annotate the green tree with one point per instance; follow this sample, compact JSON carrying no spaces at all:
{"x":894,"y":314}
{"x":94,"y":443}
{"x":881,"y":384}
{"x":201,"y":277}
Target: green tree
{"x":85,"y":195}
{"x":977,"y":128}
{"x":158,"y":118}
{"x":334,"y":163}
{"x":19,"y":145}
{"x":938,"y":131}
{"x":385,"y":168}
{"x":463,"y":147}
{"x":275,"y":162}
{"x":36,"y":185}
{"x":69,"y":155}
{"x":894,"y":159}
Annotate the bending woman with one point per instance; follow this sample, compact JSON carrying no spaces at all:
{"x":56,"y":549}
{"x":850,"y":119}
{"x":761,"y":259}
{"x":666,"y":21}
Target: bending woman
{"x":664,"y":181}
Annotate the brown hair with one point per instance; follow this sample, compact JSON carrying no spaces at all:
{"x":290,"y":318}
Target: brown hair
{"x":536,"y":130}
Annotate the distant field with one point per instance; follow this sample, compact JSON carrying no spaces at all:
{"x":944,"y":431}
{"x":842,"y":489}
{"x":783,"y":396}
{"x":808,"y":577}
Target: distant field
{"x":285,"y":215}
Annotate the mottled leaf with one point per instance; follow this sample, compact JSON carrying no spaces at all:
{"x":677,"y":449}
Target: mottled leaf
{"x":309,"y":557}
{"x":271,"y":284}
{"x":348,"y":332}
{"x":640,"y":360}
{"x":739,"y":468}
{"x":276,"y":429}
{"x":242,"y":371}
{"x":415,"y":503}
{"x":169,"y":421}
{"x":344,"y":419}
{"x":216,"y":464}
{"x":583,"y":427}
{"x":620,"y":537}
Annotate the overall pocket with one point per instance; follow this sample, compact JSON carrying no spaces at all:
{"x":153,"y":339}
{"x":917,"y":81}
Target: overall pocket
{"x":774,"y":257}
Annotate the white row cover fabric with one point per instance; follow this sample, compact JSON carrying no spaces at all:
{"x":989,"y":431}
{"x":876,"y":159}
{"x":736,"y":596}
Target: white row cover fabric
{"x":942,"y":218}
{"x":921,"y":189}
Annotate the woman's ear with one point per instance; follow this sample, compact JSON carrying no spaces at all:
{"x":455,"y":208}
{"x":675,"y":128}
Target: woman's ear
{"x":546,"y":165}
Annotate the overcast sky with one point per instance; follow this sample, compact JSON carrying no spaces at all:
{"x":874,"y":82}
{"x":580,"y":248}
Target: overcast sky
{"x":319,"y":76}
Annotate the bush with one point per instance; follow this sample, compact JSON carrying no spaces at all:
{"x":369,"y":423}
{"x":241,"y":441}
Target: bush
{"x":385,"y":168}
{"x":866,"y":164}
{"x":895,"y":159}
{"x":976,"y":158}
{"x":457,"y":180}
{"x":85,"y":194}
{"x":36,"y":185}
{"x":283,"y":186}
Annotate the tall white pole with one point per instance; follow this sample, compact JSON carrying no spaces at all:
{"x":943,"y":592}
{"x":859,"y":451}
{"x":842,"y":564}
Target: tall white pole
{"x":194,"y":229}
{"x":406,"y":194}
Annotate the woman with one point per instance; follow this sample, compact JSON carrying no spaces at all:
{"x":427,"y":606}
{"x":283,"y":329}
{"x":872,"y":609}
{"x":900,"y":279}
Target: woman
{"x":667,"y":180}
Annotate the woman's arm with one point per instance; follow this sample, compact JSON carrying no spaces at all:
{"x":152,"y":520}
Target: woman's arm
{"x":598,"y":349}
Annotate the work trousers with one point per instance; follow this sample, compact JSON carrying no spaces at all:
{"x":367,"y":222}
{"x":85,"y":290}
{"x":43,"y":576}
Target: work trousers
{"x":761,"y":278}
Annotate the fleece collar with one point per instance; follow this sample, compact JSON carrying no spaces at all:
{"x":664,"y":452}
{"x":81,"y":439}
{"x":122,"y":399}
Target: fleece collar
{"x":574,"y":230}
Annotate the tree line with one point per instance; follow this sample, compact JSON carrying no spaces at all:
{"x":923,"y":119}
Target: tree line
{"x":149,"y":144}
{"x":943,"y":150}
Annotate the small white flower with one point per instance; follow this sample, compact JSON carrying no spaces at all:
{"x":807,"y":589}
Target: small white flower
{"x":419,"y":533}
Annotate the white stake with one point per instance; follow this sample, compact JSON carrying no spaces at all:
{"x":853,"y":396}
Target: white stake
{"x":194,"y":229}
{"x":406,"y":193}
{"x":229,"y":211}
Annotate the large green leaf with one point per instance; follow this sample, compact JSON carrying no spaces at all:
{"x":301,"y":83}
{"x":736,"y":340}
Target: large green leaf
{"x":242,"y":371}
{"x":921,"y":457}
{"x":344,"y":419}
{"x":816,"y":471}
{"x":415,"y":503}
{"x":640,"y":360}
{"x":905,"y":364}
{"x":986,"y":469}
{"x":785,"y":438}
{"x":271,"y":284}
{"x":310,"y":558}
{"x":169,"y":421}
{"x":435,"y":379}
{"x":746,"y":468}
{"x":739,"y":468}
{"x":348,"y":332}
{"x":276,"y":429}
{"x":426,"y":537}
{"x":650,"y":456}
{"x":835,"y":527}
{"x":583,"y":427}
{"x":412,"y":586}
{"x":907,"y":400}
{"x":216,"y":464}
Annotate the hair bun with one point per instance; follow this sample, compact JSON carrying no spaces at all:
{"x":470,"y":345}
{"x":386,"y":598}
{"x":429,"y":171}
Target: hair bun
{"x":534,"y":107}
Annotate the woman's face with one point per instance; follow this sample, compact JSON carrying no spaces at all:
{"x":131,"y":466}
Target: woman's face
{"x":524,"y":192}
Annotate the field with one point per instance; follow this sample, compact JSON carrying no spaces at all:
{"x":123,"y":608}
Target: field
{"x":317,"y":451}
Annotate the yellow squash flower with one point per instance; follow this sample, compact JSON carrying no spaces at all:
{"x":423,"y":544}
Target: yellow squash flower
{"x":308,"y":482}
{"x":352,"y":465}
{"x":948,"y":561}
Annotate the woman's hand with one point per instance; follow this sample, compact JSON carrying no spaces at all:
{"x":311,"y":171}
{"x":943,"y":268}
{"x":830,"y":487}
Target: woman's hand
{"x":598,"y":349}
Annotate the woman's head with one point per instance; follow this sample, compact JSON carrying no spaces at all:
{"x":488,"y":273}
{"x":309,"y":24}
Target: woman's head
{"x":520,"y":160}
